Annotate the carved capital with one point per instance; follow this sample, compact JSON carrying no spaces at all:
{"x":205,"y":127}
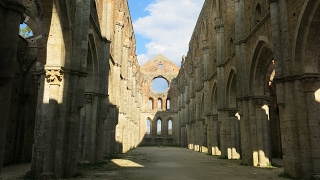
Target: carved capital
{"x":259,"y":102}
{"x":119,"y":25}
{"x":215,"y":117}
{"x":130,"y":63}
{"x":89,"y":98}
{"x":54,"y":76}
{"x":272,"y":1}
{"x":232,"y":113}
{"x":206,"y":49}
{"x":308,"y":84}
{"x":126,"y":48}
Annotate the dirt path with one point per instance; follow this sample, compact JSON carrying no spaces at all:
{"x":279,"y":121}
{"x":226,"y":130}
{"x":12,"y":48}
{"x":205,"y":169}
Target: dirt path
{"x":168,"y":163}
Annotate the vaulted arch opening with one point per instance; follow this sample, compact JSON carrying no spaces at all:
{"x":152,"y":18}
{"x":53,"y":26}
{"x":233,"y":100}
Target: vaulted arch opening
{"x":266,"y":113}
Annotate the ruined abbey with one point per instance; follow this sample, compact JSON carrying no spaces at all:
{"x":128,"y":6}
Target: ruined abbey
{"x":73,"y":92}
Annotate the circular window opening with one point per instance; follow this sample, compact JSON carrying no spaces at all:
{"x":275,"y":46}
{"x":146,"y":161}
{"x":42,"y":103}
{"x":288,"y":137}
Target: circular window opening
{"x":159,"y":85}
{"x":160,"y":66}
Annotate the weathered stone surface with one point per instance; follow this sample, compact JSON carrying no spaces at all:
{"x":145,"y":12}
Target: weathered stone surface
{"x":74,"y":91}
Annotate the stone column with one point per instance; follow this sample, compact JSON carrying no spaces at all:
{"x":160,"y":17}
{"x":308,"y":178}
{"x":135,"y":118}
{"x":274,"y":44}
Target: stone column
{"x":312,"y":97}
{"x":245,"y":128}
{"x":45,"y":142}
{"x":259,"y":123}
{"x":234,"y":149}
{"x":225,"y":138}
{"x":13,"y":11}
{"x":216,"y":145}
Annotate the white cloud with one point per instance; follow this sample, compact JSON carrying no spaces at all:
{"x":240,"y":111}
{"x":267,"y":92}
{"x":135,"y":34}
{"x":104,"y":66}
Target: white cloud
{"x":169,"y":27}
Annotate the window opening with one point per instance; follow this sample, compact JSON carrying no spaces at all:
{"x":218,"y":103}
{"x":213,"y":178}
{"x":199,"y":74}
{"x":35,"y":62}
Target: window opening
{"x":170,"y":127}
{"x":150,"y":103}
{"x":159,"y":85}
{"x":159,"y":104}
{"x":159,"y":127}
{"x":25,"y":31}
{"x":148,"y":126}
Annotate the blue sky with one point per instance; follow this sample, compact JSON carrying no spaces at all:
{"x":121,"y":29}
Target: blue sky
{"x":163,"y":27}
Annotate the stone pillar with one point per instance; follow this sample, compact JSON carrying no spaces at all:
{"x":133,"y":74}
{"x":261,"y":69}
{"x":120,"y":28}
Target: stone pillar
{"x":89,"y":130}
{"x":234,"y":151}
{"x":225,"y":138}
{"x":215,"y":135}
{"x":13,"y":12}
{"x":245,"y":128}
{"x":45,"y":147}
{"x":206,"y":59}
{"x":310,"y":149}
{"x":259,"y":122}
{"x":85,"y":125}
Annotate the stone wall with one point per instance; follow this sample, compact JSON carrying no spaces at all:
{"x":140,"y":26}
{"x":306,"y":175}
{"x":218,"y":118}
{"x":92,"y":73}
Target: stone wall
{"x":73,"y":107}
{"x":257,"y":55}
{"x":159,"y":67}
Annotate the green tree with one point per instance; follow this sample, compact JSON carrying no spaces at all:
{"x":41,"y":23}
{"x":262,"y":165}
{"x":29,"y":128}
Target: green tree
{"x":25,"y":31}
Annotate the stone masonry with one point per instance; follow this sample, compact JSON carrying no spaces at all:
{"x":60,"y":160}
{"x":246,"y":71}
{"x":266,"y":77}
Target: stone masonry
{"x":249,"y":84}
{"x":73,"y":92}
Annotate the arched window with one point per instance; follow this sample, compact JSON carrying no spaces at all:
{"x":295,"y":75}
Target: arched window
{"x":168,"y":103}
{"x":159,"y":127}
{"x":150,"y":103}
{"x":25,"y":31}
{"x":170,"y":127}
{"x":159,"y":103}
{"x":258,"y":13}
{"x":148,"y":126}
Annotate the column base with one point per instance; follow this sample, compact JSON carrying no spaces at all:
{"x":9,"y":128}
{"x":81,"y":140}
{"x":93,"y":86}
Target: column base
{"x":46,"y":175}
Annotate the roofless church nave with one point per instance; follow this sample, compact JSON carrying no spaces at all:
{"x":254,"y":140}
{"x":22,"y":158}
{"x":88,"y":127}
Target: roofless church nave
{"x":73,"y":92}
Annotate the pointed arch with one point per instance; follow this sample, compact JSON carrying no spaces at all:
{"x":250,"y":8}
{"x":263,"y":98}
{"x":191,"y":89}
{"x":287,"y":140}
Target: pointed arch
{"x":159,"y":126}
{"x":148,"y":126}
{"x":263,"y":55}
{"x":170,"y":126}
{"x":306,"y":40}
{"x":214,"y":98}
{"x":231,"y":89}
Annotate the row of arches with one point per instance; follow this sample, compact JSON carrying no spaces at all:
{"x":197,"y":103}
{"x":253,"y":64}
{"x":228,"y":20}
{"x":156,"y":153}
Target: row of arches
{"x":160,"y":104}
{"x":159,"y":128}
{"x":263,"y":89}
